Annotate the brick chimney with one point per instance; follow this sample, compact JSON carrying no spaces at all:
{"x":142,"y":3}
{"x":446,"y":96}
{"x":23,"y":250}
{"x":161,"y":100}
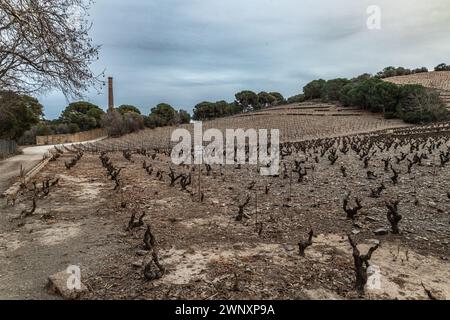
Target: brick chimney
{"x":110,"y":94}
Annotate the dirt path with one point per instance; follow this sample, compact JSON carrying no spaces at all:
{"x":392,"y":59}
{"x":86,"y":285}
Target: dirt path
{"x":28,"y":256}
{"x":10,"y":168}
{"x":30,"y":157}
{"x":65,"y":230}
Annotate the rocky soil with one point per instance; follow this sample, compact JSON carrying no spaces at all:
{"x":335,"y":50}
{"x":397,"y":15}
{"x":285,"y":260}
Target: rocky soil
{"x":207,"y":253}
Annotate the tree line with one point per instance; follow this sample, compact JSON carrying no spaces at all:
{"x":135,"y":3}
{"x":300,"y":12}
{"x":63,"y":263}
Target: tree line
{"x":389,"y":72}
{"x":245,"y":101}
{"x":22,"y":118}
{"x":43,"y":50}
{"x":126,"y":119}
{"x":412,"y":103}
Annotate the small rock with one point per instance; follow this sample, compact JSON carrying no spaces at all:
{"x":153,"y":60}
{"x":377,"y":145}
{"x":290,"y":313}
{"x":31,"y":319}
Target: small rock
{"x":355,"y":232}
{"x":432,"y":204}
{"x":59,"y":284}
{"x":288,"y":247}
{"x":381,"y":232}
{"x":137,"y":264}
{"x":141,"y":253}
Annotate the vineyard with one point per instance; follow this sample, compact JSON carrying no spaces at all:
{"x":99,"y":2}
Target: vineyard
{"x":354,"y":191}
{"x":296,"y":122}
{"x":439,"y":80}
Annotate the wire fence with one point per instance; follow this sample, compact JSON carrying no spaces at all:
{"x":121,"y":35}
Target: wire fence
{"x":7,"y":147}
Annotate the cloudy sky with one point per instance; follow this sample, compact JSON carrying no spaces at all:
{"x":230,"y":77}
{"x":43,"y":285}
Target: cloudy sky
{"x":186,"y":51}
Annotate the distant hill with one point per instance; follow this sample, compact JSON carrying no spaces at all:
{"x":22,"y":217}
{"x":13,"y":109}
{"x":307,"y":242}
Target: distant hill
{"x":439,"y":80}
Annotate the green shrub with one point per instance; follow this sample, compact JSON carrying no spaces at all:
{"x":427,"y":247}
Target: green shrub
{"x":153,"y":121}
{"x":332,"y":88}
{"x":165,"y":114}
{"x":18,"y":113}
{"x":418,"y":104}
{"x":212,"y":110}
{"x":345,"y":96}
{"x":84,"y":114}
{"x":442,"y":67}
{"x":248,"y":100}
{"x":383,"y":97}
{"x":299,"y":98}
{"x":128,"y":108}
{"x":390,"y":115}
{"x":360,"y":94}
{"x":184,"y":116}
{"x":279,"y":99}
{"x":314,"y":89}
{"x":265,"y":100}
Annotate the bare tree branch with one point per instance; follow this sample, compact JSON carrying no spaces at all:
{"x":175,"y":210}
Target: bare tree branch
{"x":44,"y":44}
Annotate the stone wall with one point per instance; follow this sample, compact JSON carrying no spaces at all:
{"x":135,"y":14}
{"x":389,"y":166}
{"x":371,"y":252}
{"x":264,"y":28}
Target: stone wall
{"x":70,"y":138}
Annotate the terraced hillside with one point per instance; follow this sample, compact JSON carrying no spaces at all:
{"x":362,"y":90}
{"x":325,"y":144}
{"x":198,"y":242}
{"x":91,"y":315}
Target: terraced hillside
{"x":439,"y":80}
{"x":296,"y":122}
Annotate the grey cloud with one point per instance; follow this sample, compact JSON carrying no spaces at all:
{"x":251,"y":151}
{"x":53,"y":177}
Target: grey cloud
{"x":186,"y":51}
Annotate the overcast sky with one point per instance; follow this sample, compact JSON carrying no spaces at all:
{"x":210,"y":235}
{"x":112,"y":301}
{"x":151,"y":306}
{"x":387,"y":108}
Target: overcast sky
{"x":186,"y":51}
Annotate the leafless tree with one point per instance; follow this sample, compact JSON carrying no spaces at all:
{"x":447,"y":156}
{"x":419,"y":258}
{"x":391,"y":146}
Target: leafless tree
{"x":351,"y":212}
{"x":149,"y":239}
{"x":45,"y":44}
{"x":174,"y":177}
{"x":376,"y":193}
{"x":26,"y":213}
{"x":361,"y":264}
{"x":303,"y":244}
{"x":394,"y":178}
{"x":185,"y":181}
{"x":430,"y":294}
{"x":393,"y":216}
{"x":133,"y":224}
{"x":344,"y":171}
{"x":387,"y":162}
{"x":241,"y":214}
{"x":154,"y":270}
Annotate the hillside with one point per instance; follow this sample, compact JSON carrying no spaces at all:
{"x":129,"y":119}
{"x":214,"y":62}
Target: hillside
{"x":439,"y":80}
{"x":309,"y":120}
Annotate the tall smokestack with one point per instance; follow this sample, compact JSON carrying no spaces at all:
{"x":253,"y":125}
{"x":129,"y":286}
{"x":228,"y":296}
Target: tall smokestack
{"x":110,"y":94}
